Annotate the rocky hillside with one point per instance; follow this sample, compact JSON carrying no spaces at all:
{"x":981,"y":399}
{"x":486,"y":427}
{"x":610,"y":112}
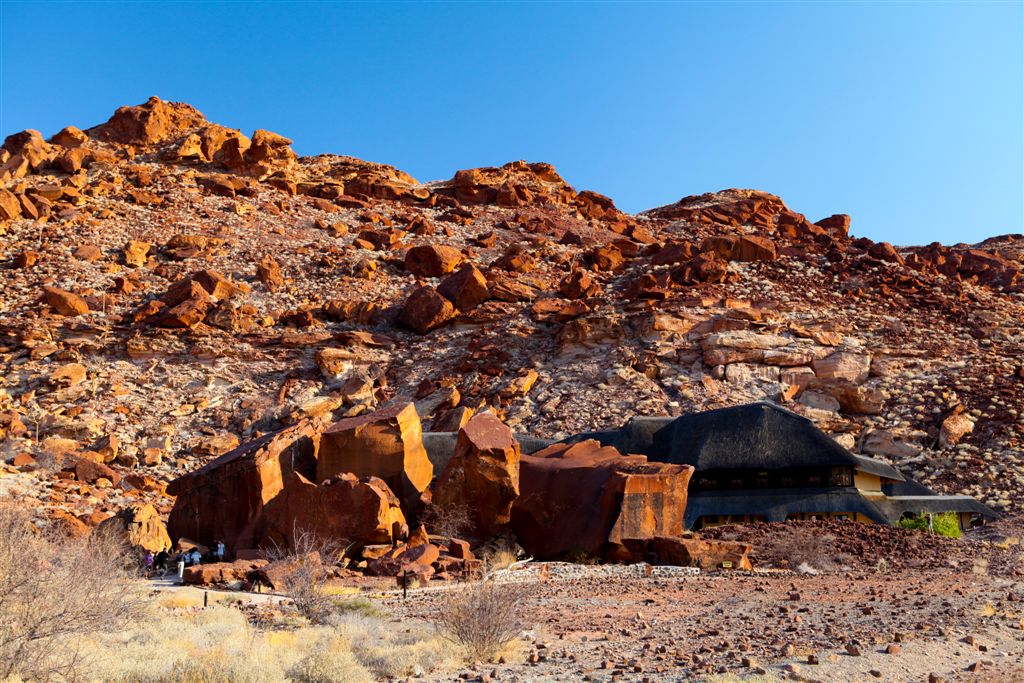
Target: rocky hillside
{"x":172,"y":287}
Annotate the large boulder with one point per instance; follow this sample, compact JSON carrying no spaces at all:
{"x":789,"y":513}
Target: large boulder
{"x":138,"y":527}
{"x":466,"y":288}
{"x":697,"y":552}
{"x":432,"y":260}
{"x":387,"y":443}
{"x":483,"y":474}
{"x":344,"y":508}
{"x":585,"y":498}
{"x":226,"y":499}
{"x":150,"y":123}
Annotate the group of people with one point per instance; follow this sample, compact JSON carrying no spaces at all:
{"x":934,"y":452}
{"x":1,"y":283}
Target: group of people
{"x":158,"y":564}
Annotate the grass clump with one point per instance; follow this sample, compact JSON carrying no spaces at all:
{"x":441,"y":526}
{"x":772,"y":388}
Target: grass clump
{"x":945,"y":524}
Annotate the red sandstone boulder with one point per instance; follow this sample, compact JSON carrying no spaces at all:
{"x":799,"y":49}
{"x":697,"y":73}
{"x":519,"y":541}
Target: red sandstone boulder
{"x":483,"y":474}
{"x":695,"y":552}
{"x":138,"y":527}
{"x":387,"y":443}
{"x":838,"y":224}
{"x":221,"y":572}
{"x":466,"y":289}
{"x":585,"y":498}
{"x":149,"y":123}
{"x":432,"y":260}
{"x":345,"y":508}
{"x":226,"y":499}
{"x":64,"y":302}
{"x":426,"y":310}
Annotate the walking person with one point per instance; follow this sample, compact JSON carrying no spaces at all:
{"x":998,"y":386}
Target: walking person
{"x":147,"y":560}
{"x":220,"y":551}
{"x":181,"y":568}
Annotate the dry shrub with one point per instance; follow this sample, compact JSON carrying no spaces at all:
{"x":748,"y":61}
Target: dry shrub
{"x":484,"y":617}
{"x":53,"y":590}
{"x":310,"y":558}
{"x":501,"y":557}
{"x":795,"y":548}
{"x":331,"y":661}
{"x":453,"y":520}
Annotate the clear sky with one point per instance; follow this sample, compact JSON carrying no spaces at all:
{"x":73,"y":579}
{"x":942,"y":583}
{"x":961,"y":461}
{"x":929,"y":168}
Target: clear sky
{"x":908,"y":116}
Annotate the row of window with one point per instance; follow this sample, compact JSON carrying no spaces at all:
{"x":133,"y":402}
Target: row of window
{"x":836,"y":476}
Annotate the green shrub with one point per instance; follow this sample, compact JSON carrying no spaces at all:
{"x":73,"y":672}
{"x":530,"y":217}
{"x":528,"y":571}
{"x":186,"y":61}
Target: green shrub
{"x":944,"y":524}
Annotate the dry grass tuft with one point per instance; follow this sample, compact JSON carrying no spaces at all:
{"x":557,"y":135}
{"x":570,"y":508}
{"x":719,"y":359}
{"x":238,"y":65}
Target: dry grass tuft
{"x":484,"y":617}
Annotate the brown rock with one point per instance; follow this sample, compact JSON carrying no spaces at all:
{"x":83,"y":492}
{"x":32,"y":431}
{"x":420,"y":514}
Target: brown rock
{"x":706,"y":554}
{"x":466,"y":289}
{"x":269,"y":273}
{"x":573,"y":498}
{"x":226,"y":498}
{"x":432,"y":260}
{"x":426,"y":310}
{"x":387,"y":444}
{"x":343,"y":508}
{"x":64,"y":302}
{"x":483,"y":474}
{"x":138,"y":527}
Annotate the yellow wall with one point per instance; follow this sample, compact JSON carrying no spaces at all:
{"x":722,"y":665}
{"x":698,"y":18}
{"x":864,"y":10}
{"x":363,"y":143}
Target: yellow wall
{"x":867,"y":482}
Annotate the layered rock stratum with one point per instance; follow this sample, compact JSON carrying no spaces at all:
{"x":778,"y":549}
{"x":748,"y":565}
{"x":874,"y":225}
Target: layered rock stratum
{"x":173,"y":288}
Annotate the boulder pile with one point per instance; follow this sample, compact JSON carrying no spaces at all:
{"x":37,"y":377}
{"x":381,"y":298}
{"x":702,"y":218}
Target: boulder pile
{"x":360,"y":480}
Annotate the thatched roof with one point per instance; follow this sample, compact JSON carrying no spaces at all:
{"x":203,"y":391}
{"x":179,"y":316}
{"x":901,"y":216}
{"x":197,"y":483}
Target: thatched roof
{"x":759,"y":436}
{"x":775,"y":504}
{"x":894,"y":507}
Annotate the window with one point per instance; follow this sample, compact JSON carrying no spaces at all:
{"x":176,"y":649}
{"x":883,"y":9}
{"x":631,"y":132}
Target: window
{"x":762,"y":481}
{"x":841,"y":476}
{"x":814,"y":479}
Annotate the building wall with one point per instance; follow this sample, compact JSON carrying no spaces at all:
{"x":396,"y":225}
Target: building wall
{"x":867,"y":482}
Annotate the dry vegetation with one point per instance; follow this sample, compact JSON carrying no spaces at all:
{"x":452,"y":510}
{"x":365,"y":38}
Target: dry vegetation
{"x":484,"y":617}
{"x":52,"y":591}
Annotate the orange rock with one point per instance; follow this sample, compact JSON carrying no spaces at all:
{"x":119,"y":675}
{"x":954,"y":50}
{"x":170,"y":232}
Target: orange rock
{"x":269,"y":273}
{"x":226,"y":498}
{"x":149,"y":123}
{"x":426,"y":310}
{"x":343,"y":508}
{"x":466,"y":289}
{"x":587,"y":498}
{"x":432,"y":260}
{"x":138,"y":527}
{"x":387,"y":444}
{"x":64,"y":302}
{"x":483,"y":474}
{"x":10,"y":207}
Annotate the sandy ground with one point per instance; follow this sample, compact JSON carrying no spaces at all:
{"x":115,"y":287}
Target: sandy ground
{"x":760,"y":626}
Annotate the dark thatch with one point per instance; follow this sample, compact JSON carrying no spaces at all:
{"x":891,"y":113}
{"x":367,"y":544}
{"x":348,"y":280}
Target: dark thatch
{"x":775,"y":504}
{"x":894,"y":507}
{"x":759,"y":436}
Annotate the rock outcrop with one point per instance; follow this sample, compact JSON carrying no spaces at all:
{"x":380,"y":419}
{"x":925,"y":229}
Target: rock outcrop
{"x":483,"y":474}
{"x":387,"y":444}
{"x":592,"y":500}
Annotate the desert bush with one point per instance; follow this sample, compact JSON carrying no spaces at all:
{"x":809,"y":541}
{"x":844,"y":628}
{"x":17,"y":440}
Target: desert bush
{"x":944,"y":524}
{"x":54,"y":589}
{"x":310,"y":557}
{"x":484,"y":616}
{"x":331,"y":661}
{"x":453,"y":520}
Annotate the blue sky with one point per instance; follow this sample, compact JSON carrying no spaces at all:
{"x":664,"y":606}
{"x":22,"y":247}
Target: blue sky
{"x":908,"y":116}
